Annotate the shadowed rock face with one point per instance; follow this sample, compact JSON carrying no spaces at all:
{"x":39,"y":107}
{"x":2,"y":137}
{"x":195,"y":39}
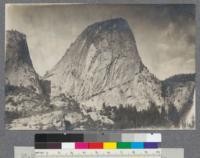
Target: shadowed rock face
{"x":19,"y":67}
{"x":17,"y":49}
{"x":179,"y":90}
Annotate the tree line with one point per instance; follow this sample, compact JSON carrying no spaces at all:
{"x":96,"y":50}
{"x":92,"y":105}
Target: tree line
{"x":129,"y":117}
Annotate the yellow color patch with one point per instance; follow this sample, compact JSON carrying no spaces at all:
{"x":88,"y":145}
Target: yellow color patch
{"x":109,"y":145}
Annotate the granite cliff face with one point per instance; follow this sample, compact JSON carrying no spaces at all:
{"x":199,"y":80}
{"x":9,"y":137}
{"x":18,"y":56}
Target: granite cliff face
{"x":103,"y":66}
{"x":19,"y":68}
{"x":23,"y":90}
{"x":179,"y":90}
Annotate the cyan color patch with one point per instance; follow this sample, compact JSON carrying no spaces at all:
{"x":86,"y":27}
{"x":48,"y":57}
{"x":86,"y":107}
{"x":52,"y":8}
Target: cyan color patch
{"x":137,"y":145}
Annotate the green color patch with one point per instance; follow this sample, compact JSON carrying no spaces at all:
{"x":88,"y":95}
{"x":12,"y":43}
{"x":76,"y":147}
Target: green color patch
{"x":124,"y":145}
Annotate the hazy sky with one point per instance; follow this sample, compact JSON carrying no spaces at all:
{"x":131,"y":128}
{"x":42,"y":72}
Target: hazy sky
{"x":165,"y":34}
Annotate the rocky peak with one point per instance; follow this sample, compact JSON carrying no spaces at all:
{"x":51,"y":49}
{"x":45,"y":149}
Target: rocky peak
{"x":19,"y":67}
{"x":103,"y":61}
{"x":16,"y":48}
{"x":107,"y":34}
{"x":118,"y":24}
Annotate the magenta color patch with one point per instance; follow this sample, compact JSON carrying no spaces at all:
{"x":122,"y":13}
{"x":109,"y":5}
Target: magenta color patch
{"x":81,"y":145}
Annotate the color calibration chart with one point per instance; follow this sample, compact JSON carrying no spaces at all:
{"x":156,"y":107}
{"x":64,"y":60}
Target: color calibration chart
{"x":143,"y":145}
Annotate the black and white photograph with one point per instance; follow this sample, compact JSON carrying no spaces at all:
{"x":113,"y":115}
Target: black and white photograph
{"x":100,"y":67}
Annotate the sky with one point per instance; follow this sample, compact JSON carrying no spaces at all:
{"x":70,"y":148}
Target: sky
{"x":165,"y":34}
